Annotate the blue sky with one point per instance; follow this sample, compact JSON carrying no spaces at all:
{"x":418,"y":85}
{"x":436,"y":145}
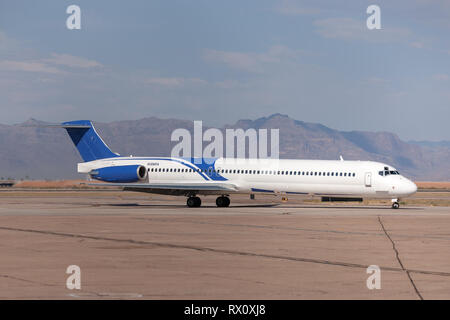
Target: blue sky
{"x":220,"y":61}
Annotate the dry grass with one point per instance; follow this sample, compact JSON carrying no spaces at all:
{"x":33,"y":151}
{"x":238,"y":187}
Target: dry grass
{"x":433,"y":185}
{"x":55,"y":184}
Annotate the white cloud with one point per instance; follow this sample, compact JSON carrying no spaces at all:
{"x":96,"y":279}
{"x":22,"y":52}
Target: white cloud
{"x":72,"y":61}
{"x":251,"y":62}
{"x":377,"y":81}
{"x":417,"y":44}
{"x":48,"y":65}
{"x":174,"y":82}
{"x":28,"y":66}
{"x":288,"y":7}
{"x":441,"y":77}
{"x":352,"y":29}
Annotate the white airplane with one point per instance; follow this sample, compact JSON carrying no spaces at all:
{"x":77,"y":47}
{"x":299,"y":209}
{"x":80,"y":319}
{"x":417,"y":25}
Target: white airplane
{"x":225,"y":176}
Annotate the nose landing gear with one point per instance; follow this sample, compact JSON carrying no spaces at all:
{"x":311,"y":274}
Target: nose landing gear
{"x":395,"y":204}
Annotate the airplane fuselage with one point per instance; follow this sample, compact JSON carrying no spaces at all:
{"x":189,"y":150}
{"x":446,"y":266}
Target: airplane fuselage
{"x":308,"y":177}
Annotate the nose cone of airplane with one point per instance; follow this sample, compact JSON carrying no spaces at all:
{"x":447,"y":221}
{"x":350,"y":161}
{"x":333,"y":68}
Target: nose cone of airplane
{"x":409,"y":188}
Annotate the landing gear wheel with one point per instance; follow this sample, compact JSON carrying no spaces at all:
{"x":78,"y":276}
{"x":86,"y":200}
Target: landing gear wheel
{"x":223,"y":201}
{"x":193,"y":202}
{"x":395,"y":205}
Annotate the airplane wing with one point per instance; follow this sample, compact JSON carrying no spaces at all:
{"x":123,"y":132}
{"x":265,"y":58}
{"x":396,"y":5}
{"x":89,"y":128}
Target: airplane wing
{"x":175,"y":186}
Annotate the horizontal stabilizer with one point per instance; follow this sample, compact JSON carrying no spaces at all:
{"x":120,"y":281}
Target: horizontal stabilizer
{"x":63,"y":126}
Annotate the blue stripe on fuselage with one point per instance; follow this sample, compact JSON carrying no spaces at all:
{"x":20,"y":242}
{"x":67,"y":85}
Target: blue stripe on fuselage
{"x":203,"y":164}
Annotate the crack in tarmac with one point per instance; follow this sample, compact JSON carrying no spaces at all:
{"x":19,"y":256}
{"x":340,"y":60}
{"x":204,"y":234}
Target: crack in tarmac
{"x":223,"y":251}
{"x":397,"y":255}
{"x":24,"y":280}
{"x":291,"y":228}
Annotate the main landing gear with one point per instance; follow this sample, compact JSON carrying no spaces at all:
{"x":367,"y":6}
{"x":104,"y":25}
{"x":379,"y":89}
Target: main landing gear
{"x":395,"y":204}
{"x":193,"y":202}
{"x":223,"y":201}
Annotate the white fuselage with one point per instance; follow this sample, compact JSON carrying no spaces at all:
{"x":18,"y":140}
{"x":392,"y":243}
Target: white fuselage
{"x":313,"y":177}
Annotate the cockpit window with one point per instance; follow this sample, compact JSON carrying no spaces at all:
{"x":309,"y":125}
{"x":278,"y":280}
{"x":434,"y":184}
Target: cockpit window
{"x":387,"y":172}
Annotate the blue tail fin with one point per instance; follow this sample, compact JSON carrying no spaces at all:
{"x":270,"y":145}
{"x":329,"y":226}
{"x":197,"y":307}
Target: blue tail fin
{"x":88,"y":142}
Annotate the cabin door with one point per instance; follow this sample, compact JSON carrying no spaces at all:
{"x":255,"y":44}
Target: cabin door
{"x":368,"y":179}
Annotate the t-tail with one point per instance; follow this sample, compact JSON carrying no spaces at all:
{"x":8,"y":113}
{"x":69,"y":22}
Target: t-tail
{"x":89,"y":144}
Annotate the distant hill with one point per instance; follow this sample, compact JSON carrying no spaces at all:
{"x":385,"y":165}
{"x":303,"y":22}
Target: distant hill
{"x":44,"y":153}
{"x":432,"y":144}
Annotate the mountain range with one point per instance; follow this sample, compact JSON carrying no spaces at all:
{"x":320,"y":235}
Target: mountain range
{"x":45,"y":153}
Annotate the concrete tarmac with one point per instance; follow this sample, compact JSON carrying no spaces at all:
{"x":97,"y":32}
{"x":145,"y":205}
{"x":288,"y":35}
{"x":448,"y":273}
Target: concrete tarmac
{"x":140,"y":246}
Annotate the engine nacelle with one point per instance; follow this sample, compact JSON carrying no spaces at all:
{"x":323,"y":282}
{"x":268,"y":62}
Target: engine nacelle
{"x":120,"y":174}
